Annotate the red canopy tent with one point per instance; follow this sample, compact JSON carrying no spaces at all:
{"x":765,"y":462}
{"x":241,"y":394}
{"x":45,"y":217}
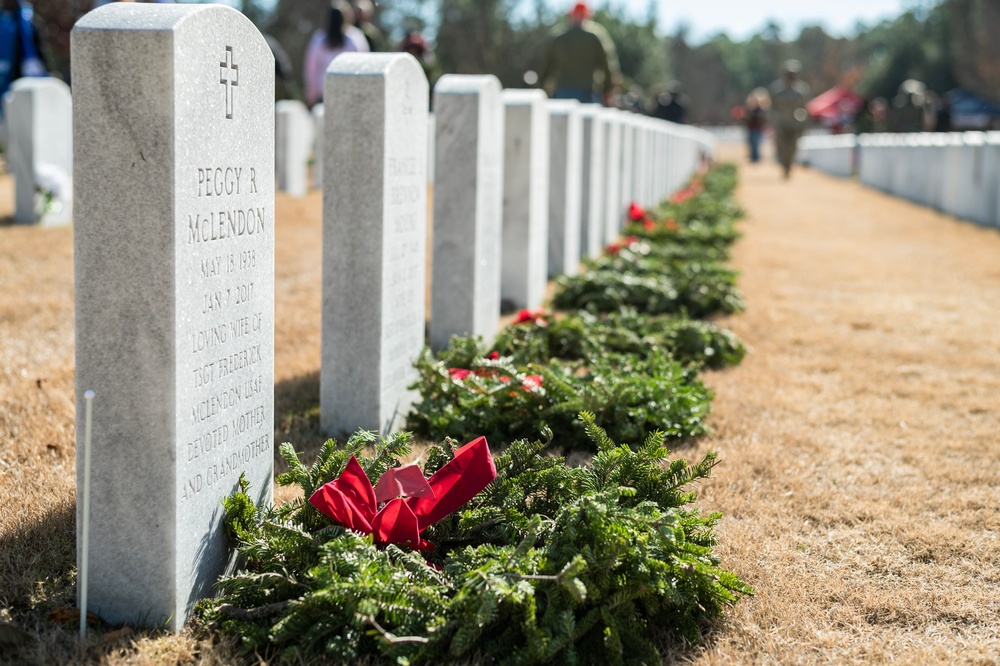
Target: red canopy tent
{"x":835,"y":106}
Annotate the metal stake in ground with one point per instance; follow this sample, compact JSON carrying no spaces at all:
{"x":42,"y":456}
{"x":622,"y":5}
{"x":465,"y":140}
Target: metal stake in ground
{"x":85,"y":528}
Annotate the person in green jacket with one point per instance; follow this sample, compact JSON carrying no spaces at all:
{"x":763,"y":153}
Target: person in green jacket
{"x":581,"y":61}
{"x":789,"y":95}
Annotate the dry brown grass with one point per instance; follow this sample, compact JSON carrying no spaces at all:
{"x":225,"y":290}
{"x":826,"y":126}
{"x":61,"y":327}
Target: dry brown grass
{"x":859,"y":440}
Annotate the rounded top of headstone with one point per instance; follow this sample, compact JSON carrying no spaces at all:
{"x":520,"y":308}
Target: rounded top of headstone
{"x":590,"y":110}
{"x":523,"y":96}
{"x":142,"y":16}
{"x":562,"y":107}
{"x":974,"y":138}
{"x":371,"y":64}
{"x":292,"y":106}
{"x":466,"y":84}
{"x":40,"y":83}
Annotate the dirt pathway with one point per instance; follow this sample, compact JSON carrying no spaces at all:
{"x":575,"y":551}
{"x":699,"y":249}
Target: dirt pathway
{"x":860,"y":479}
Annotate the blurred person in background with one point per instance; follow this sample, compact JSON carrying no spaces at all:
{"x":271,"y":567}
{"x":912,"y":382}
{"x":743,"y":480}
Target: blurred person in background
{"x":788,"y":114}
{"x":363,"y":13}
{"x":415,"y":44}
{"x":20,"y":44}
{"x":581,"y":62}
{"x":340,"y":36}
{"x":906,"y":113}
{"x":672,"y":104}
{"x":937,"y":113}
{"x":633,"y":100}
{"x":285,"y":86}
{"x":755,"y":119}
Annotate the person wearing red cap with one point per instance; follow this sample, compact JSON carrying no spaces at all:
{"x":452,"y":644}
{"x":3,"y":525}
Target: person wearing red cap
{"x":581,"y":62}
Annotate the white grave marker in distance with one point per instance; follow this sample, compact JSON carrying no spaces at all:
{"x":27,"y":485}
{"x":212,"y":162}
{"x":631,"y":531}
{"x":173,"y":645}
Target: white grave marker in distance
{"x":293,"y":140}
{"x":38,"y":113}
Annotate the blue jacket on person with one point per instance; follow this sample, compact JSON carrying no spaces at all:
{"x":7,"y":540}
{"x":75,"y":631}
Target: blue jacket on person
{"x":19,"y":55}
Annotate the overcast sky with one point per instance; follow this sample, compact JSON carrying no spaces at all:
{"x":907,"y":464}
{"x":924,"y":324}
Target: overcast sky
{"x":742,"y":18}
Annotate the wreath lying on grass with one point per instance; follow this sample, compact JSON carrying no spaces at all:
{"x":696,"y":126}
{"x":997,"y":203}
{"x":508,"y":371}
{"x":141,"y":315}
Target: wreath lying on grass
{"x":549,"y":563}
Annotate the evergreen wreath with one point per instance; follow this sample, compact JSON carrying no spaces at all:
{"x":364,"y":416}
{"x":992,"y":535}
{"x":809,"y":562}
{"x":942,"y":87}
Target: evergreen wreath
{"x":549,"y":564}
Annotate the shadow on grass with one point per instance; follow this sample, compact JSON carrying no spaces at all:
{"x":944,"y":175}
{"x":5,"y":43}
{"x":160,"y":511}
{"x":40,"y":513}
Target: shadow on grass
{"x":38,"y":582}
{"x":296,"y":417}
{"x":675,"y":649}
{"x":38,"y":563}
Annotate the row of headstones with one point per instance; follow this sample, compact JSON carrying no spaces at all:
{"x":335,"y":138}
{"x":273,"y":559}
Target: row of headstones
{"x":956,"y":173}
{"x":38,"y":114}
{"x":174,"y":261}
{"x":835,"y":154}
{"x":576,"y":165}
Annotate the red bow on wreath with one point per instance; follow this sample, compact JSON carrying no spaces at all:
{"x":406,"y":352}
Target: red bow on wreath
{"x":351,"y":501}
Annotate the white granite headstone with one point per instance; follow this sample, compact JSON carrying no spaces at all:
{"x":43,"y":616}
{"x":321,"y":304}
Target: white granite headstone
{"x":642,"y":146}
{"x":613,"y":209}
{"x":174,"y":274}
{"x":374,"y":240}
{"x":565,"y":185}
{"x":628,"y":180}
{"x":468,"y":207}
{"x":525,"y":250}
{"x":39,"y":117}
{"x":293,"y":144}
{"x":595,"y":171}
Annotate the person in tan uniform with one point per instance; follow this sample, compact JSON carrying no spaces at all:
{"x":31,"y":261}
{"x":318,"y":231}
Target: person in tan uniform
{"x":581,"y":61}
{"x":788,"y":113}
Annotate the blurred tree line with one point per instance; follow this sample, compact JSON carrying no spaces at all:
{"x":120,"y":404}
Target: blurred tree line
{"x":944,"y":43}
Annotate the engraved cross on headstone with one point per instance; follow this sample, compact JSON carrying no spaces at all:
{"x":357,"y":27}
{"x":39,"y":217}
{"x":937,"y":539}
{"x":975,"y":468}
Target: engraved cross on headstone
{"x":228,"y":81}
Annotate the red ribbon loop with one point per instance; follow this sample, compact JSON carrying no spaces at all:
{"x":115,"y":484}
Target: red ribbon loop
{"x":351,"y":501}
